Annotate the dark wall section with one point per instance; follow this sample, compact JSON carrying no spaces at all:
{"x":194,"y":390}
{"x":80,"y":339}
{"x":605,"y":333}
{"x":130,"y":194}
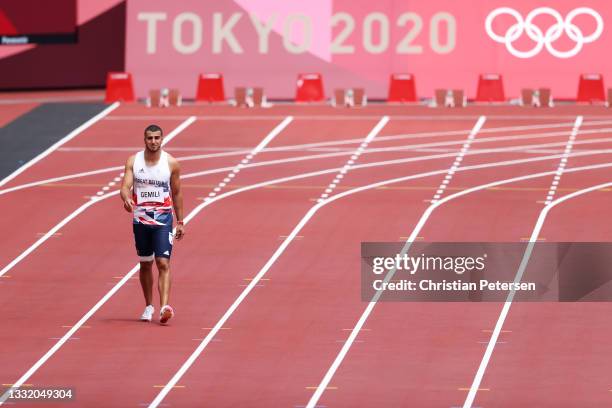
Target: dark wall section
{"x":100,"y":48}
{"x":31,"y":134}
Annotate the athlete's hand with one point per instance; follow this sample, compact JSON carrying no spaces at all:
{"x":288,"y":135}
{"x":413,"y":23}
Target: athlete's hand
{"x":180,"y":231}
{"x":128,"y":205}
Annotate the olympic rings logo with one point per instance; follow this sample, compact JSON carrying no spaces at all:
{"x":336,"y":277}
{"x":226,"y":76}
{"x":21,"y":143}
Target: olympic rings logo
{"x":544,"y":39}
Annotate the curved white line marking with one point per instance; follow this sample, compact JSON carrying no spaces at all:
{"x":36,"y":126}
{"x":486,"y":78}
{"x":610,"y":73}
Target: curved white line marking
{"x":519,"y":275}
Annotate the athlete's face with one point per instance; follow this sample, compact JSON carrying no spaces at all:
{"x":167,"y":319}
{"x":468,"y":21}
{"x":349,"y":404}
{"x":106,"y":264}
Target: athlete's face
{"x":153,"y":141}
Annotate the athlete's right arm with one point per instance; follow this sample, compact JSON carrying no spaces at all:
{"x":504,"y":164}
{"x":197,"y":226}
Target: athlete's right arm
{"x":126,"y":185}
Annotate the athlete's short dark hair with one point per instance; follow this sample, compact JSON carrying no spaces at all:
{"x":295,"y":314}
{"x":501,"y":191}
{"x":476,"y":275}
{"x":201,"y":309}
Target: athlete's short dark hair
{"x":153,"y":128}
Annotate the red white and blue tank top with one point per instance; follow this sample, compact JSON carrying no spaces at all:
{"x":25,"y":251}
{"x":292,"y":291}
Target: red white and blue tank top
{"x":152,"y":193}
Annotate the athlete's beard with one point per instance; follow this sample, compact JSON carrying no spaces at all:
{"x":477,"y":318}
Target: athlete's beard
{"x":152,"y":150}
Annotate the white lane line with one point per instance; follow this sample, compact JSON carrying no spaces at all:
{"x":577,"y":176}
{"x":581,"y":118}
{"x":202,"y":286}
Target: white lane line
{"x":354,"y":157}
{"x":272,"y":135}
{"x":182,"y":126}
{"x":536,"y":151}
{"x":466,"y":145}
{"x":333,"y":170}
{"x":131,"y":273}
{"x":100,"y":195}
{"x":523,"y":265}
{"x":59,"y":143}
{"x":297,"y":147}
{"x":519,"y":275}
{"x":247,"y":159}
{"x":61,"y":178}
{"x":563,"y":161}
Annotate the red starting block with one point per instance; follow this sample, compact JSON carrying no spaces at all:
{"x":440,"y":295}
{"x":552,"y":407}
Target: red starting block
{"x":490,"y":88}
{"x":402,"y":88}
{"x":119,"y":87}
{"x":591,"y":88}
{"x":210,"y":88}
{"x":309,"y":88}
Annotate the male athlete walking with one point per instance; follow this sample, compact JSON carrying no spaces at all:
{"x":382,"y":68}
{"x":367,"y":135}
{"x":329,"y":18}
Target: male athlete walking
{"x":151,"y":188}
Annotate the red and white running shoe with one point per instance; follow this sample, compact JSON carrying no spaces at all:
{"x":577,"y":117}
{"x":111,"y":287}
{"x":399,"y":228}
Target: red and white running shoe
{"x":165,"y":314}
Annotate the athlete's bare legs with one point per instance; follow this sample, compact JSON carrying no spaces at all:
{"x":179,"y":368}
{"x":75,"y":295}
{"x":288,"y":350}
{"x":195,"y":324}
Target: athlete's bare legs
{"x":146,"y":281}
{"x":163,"y":266}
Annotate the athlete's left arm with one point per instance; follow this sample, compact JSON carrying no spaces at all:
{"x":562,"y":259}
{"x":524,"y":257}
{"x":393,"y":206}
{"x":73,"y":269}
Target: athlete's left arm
{"x":177,"y":196}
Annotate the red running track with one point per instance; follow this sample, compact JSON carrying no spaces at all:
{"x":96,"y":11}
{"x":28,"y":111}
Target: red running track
{"x":280,"y":341}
